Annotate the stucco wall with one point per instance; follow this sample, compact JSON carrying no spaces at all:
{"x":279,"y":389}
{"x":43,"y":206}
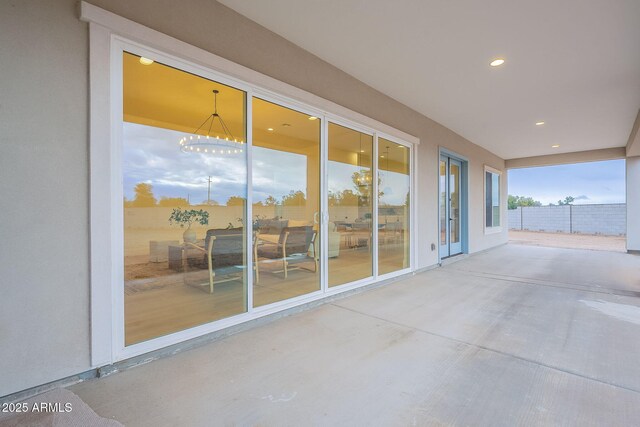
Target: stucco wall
{"x":44,"y":259}
{"x":44,"y":255}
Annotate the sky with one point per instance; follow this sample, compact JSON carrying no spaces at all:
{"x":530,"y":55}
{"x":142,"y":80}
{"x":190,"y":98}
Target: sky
{"x":151,"y":155}
{"x":588,"y":183}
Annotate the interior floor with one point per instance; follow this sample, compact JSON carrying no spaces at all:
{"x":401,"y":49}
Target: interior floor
{"x":158,"y":302}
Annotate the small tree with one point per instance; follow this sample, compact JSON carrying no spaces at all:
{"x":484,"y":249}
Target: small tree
{"x":188,"y":216}
{"x":349,"y":198}
{"x":270,"y":201}
{"x":515,"y":201}
{"x":143,"y":196}
{"x":567,"y":201}
{"x":294,"y":198}
{"x":173,"y":202}
{"x":235,"y":201}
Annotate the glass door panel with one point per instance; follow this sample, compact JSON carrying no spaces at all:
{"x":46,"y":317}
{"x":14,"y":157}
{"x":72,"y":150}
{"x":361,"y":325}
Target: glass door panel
{"x":394,"y":187}
{"x":184,"y":185}
{"x":444,"y":208}
{"x":350,"y":187}
{"x":450,"y":202}
{"x":286,"y":203}
{"x":454,"y":207}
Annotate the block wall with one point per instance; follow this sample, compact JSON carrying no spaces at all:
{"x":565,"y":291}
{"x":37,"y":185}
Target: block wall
{"x":606,"y":219}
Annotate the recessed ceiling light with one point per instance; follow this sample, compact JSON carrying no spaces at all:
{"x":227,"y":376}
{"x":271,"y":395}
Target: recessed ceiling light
{"x":555,"y":146}
{"x":539,"y":123}
{"x":270,"y":129}
{"x":497,"y":62}
{"x":313,"y":118}
{"x":145,"y":61}
{"x":381,"y":156}
{"x":362,"y":151}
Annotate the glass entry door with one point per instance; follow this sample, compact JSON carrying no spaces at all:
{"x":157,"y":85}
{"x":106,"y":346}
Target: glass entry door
{"x":450,"y":207}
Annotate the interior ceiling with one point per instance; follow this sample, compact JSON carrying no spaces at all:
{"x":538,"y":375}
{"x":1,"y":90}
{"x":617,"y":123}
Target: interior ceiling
{"x":162,"y":96}
{"x":574,"y":64}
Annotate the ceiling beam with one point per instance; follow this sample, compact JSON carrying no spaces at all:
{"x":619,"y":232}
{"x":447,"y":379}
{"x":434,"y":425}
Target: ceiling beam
{"x":567,"y":158}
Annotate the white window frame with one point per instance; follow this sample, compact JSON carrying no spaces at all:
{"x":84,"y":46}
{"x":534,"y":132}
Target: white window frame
{"x":498,"y":228}
{"x":110,"y":35}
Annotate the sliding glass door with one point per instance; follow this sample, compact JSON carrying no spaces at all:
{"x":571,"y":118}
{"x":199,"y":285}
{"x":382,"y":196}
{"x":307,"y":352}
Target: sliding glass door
{"x":350,"y":187}
{"x":394,"y":194}
{"x":227,"y":193}
{"x":185,"y":187}
{"x":286,"y":203}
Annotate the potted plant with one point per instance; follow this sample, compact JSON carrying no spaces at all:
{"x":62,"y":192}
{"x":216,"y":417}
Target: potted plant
{"x":187,"y":217}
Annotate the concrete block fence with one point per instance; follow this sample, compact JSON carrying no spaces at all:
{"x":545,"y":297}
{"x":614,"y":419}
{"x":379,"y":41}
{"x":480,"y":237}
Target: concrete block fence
{"x":605,"y":219}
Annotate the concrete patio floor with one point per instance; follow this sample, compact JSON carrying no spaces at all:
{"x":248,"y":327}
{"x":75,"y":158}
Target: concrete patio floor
{"x":516,"y":335}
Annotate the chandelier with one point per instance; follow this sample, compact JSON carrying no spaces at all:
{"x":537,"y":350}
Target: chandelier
{"x":220,"y":142}
{"x":363,"y":177}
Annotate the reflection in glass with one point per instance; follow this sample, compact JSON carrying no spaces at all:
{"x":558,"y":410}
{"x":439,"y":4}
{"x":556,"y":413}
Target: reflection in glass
{"x":286,"y":197}
{"x":495,"y":199}
{"x":394,"y":186}
{"x":184,"y":213}
{"x":455,"y":202}
{"x":350,"y":205}
{"x":443,"y":203}
{"x":492,"y":199}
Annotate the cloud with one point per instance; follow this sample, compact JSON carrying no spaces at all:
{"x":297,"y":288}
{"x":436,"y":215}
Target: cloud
{"x":152,"y":155}
{"x":603,"y":181}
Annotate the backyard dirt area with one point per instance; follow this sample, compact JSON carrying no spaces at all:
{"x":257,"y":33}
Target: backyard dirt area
{"x":571,"y":241}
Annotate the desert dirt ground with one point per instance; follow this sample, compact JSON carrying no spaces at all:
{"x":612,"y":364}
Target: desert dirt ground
{"x":571,"y":241}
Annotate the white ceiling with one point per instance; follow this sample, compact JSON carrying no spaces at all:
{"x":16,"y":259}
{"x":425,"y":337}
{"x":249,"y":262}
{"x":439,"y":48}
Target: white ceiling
{"x":573,"y":63}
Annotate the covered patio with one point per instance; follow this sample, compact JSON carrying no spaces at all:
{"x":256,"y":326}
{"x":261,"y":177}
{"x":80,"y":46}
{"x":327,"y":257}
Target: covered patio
{"x":514,"y":335}
{"x":225,"y":212}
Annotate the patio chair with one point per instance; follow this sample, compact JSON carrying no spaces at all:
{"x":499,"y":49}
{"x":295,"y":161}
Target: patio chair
{"x":222,"y":255}
{"x":295,"y":244}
